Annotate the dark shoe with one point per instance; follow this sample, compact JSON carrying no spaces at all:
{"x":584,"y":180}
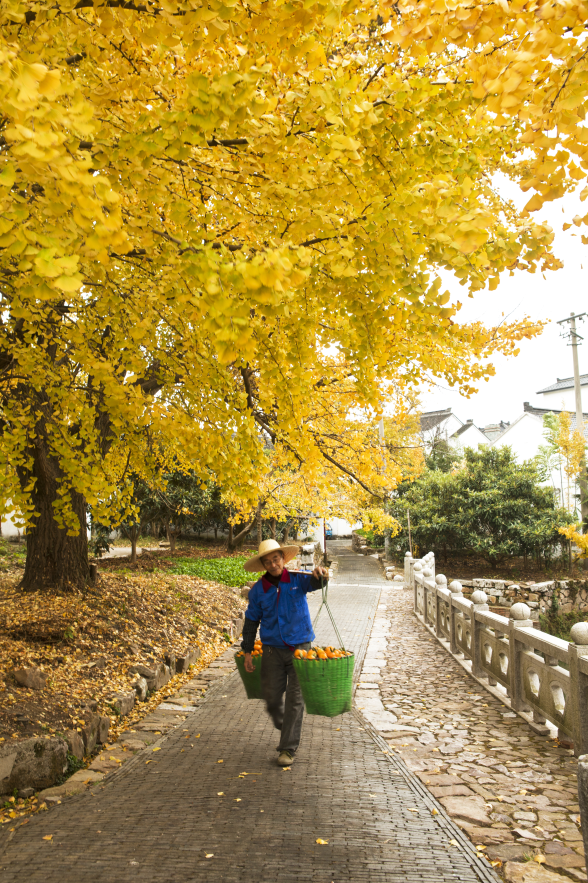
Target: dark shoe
{"x":285,"y":758}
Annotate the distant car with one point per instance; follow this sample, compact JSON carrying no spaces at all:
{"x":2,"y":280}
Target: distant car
{"x":329,"y":530}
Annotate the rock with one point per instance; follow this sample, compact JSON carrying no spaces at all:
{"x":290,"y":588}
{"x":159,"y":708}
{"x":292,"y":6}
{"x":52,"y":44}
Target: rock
{"x":142,"y":670}
{"x":525,"y":816}
{"x":33,"y":678}
{"x":33,"y":763}
{"x":103,"y":764}
{"x":170,"y":661}
{"x":25,"y":793}
{"x":426,"y":738}
{"x":526,"y":834}
{"x":571,"y":860}
{"x":245,"y":592}
{"x":161,"y":676}
{"x":529,"y":872}
{"x":139,"y":685}
{"x":575,"y":874}
{"x":450,"y":791}
{"x":103,"y":728}
{"x":451,"y":747}
{"x":507,"y":852}
{"x":124,"y":702}
{"x":443,"y":779}
{"x":471,"y":809}
{"x":90,"y":732}
{"x":75,"y":744}
{"x":183,"y":663}
{"x":487,"y":835}
{"x":554,"y":847}
{"x":133,"y":744}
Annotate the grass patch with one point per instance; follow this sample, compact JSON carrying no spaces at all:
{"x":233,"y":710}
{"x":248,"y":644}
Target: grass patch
{"x":228,"y":571}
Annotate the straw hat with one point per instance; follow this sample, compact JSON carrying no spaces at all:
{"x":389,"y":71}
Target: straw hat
{"x":266,"y":548}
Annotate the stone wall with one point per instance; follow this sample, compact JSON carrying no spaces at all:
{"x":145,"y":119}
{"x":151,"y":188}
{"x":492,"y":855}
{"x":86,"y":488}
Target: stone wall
{"x":571,"y":594}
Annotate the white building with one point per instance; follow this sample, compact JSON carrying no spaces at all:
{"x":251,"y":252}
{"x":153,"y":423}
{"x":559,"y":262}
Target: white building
{"x":445,"y":425}
{"x":9,"y":528}
{"x":524,"y":436}
{"x":560,"y":396}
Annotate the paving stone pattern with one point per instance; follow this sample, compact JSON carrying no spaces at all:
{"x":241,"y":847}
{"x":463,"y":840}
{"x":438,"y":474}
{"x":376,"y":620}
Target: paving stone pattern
{"x":508,"y":789}
{"x":224,"y":811}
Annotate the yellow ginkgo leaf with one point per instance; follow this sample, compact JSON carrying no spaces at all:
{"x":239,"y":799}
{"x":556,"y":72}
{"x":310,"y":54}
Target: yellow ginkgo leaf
{"x":321,"y":842}
{"x":48,"y":837}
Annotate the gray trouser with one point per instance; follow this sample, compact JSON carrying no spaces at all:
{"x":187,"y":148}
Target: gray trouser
{"x":278,"y":677}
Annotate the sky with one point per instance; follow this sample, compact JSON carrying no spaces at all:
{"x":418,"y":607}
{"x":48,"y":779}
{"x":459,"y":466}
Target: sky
{"x":545,"y":358}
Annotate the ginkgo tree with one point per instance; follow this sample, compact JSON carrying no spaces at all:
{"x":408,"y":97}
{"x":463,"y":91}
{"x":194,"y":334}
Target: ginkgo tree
{"x":209,"y":211}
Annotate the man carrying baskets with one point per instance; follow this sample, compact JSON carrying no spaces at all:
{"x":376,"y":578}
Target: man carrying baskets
{"x":278,"y":603}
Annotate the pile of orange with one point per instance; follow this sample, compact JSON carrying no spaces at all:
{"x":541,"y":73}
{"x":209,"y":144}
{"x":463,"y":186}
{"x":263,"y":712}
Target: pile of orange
{"x":257,"y":649}
{"x":322,"y":653}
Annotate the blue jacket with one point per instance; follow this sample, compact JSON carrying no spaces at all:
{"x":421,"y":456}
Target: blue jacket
{"x":283,"y":611}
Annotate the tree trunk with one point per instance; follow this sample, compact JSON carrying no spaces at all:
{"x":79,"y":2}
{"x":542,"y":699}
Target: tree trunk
{"x":134,"y":538}
{"x":171,"y":536}
{"x":54,"y":559}
{"x":259,"y":525}
{"x":235,"y":541}
{"x":273,"y":528}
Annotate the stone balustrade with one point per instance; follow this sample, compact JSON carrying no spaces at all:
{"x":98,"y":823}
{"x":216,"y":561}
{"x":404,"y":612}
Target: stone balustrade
{"x":541,"y":677}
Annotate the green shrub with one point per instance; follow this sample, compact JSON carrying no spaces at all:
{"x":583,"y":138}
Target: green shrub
{"x":560,"y":624}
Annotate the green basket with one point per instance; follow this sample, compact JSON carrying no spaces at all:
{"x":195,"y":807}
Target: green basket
{"x":326,"y":684}
{"x":251,"y":681}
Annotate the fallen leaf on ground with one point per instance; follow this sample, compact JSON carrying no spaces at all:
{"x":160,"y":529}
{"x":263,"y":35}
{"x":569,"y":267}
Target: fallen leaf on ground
{"x":286,"y":768}
{"x":48,"y":837}
{"x":209,"y":854}
{"x":220,"y":761}
{"x":540,"y":859}
{"x":453,"y":843}
{"x":434,"y":812}
{"x":220,"y":793}
{"x":321,"y":842}
{"x":238,"y":799}
{"x":157,"y":749}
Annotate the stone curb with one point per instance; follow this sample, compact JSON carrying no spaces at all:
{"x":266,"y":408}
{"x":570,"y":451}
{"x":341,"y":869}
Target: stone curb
{"x":56,"y":794}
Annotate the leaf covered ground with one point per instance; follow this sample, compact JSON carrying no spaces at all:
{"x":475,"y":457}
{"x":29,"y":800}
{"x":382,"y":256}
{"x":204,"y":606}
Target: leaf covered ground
{"x":86,"y":642}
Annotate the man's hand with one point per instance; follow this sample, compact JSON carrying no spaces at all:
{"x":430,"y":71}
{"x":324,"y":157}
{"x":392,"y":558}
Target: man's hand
{"x":249,"y":663}
{"x":320,"y":571}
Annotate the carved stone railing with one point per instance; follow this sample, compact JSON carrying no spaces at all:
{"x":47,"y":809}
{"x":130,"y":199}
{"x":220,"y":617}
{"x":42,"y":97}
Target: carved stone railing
{"x":542,"y":676}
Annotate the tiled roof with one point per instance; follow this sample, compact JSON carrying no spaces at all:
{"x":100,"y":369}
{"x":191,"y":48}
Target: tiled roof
{"x":433,"y":418}
{"x":463,"y":428}
{"x":541,"y":412}
{"x":565,"y":383}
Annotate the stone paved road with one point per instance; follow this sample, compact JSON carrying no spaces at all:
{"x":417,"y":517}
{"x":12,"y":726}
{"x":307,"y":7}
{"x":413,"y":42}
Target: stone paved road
{"x":225,"y":812}
{"x":511,"y":790}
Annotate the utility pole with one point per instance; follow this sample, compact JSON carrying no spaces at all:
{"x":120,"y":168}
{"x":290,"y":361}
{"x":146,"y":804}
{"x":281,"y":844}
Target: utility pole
{"x":575,"y":339}
{"x":383,"y":446}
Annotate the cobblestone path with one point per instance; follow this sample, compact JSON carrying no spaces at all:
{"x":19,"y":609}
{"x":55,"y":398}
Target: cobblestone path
{"x":510,"y":790}
{"x":225,"y":812}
